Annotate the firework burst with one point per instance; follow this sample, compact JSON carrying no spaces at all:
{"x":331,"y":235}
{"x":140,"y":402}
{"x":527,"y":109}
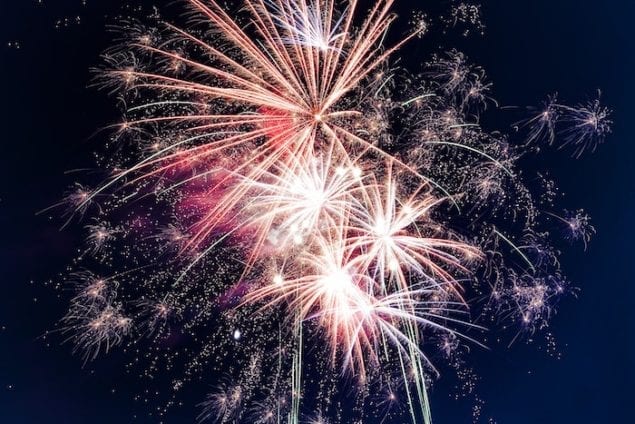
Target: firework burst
{"x":258,"y":188}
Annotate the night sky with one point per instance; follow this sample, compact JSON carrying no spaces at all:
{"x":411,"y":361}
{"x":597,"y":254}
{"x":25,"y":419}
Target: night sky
{"x":531,"y":48}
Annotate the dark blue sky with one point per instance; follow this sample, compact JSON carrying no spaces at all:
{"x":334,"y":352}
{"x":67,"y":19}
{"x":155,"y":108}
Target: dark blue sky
{"x":531,"y":48}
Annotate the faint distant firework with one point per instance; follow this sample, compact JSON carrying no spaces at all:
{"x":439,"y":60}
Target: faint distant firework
{"x":286,"y":208}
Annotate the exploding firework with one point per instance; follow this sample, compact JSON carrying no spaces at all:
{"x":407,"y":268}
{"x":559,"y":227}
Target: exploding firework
{"x":277,"y":179}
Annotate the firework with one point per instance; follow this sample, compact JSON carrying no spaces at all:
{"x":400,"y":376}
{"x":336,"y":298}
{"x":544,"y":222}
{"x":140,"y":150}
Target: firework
{"x":583,"y":126}
{"x":259,"y":204}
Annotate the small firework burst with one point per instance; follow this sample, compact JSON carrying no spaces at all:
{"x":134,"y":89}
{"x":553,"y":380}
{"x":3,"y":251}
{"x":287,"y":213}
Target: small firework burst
{"x":577,"y":226}
{"x":587,"y":126}
{"x":582,"y":127}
